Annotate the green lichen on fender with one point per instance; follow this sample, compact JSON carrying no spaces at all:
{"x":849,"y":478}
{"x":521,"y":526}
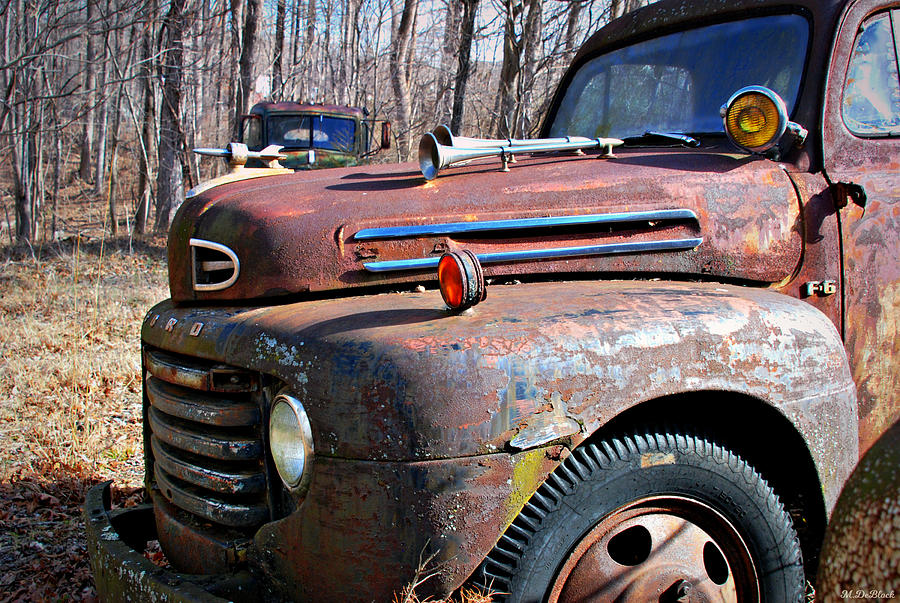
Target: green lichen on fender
{"x":528,"y":474}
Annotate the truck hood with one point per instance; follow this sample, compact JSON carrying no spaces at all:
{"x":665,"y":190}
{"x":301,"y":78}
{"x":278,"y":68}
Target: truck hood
{"x":675,"y":213}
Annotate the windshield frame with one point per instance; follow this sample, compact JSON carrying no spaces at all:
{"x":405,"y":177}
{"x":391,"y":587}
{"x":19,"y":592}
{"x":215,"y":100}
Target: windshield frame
{"x":310,"y":142}
{"x":682,"y":27}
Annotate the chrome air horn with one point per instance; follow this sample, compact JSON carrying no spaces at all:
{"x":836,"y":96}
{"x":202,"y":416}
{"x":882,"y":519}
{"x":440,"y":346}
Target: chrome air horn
{"x":444,"y":136}
{"x":435,"y":156}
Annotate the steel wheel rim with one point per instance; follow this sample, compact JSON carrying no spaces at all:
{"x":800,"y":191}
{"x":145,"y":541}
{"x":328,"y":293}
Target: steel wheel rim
{"x":659,"y":548}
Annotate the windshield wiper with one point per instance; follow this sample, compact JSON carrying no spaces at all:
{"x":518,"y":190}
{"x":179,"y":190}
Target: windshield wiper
{"x":661,"y":138}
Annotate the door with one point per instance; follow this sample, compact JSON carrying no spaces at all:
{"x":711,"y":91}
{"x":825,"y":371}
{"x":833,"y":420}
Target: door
{"x":862,"y":161}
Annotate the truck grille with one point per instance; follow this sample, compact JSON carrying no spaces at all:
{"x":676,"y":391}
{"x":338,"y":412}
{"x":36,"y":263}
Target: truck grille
{"x":205,"y":438}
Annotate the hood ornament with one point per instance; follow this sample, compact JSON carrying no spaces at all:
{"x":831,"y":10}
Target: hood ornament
{"x":236,"y":155}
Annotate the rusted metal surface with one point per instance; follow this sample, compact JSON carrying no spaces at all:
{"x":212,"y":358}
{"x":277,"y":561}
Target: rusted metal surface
{"x":366,"y":526}
{"x":653,"y":551}
{"x":192,"y":545}
{"x":861,"y":556}
{"x":871,"y":242}
{"x":818,"y":221}
{"x":289,"y":241}
{"x":395,"y":377}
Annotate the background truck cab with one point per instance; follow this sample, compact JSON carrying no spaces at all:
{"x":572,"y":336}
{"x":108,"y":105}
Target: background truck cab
{"x":312,"y":136}
{"x":685,"y":344}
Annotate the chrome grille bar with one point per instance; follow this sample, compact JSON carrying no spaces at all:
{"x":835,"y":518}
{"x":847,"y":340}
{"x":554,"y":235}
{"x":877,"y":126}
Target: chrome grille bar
{"x":456,"y":228}
{"x":206,"y":439}
{"x":211,"y":508}
{"x":541,"y":254}
{"x":225,"y":481}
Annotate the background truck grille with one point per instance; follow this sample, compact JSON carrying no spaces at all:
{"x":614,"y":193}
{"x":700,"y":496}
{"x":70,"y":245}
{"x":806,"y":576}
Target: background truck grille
{"x":206,"y":442}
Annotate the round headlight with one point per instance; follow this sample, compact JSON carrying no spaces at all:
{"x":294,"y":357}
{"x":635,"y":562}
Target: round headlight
{"x":290,"y":439}
{"x":755,"y":118}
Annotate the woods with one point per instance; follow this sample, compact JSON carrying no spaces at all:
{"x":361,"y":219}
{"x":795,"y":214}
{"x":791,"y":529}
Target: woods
{"x":106,"y":98}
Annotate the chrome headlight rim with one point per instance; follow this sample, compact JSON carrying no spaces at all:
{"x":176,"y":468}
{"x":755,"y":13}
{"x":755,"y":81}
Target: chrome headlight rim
{"x":296,"y":481}
{"x":780,"y":108}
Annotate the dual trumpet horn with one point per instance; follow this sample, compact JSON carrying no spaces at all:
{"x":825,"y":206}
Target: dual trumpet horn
{"x":440,"y":149}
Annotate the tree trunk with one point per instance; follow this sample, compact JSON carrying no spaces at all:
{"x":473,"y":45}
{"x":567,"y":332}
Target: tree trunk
{"x":572,"y":29}
{"x":170,"y":193}
{"x":400,"y":69}
{"x":308,"y":65}
{"x":277,"y":77}
{"x":617,"y":8}
{"x":510,"y":69}
{"x":450,"y":46}
{"x":234,"y":74}
{"x":147,"y":135}
{"x":248,"y":42}
{"x":87,"y":135}
{"x":103,"y":119}
{"x":464,"y":57}
{"x":531,"y":38}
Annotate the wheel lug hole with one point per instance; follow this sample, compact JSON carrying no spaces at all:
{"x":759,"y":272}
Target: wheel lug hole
{"x":630,"y":547}
{"x":715,"y":564}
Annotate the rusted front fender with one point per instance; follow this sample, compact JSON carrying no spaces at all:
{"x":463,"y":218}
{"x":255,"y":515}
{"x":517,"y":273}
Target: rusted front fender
{"x":396,"y":378}
{"x":421,"y":418}
{"x":115,"y":540}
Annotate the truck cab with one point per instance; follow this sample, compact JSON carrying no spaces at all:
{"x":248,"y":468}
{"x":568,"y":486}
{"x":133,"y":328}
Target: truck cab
{"x":637,"y":363}
{"x":312,"y":135}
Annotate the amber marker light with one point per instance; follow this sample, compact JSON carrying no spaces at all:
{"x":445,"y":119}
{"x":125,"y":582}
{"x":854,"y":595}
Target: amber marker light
{"x":461,"y":280}
{"x":754,"y":118}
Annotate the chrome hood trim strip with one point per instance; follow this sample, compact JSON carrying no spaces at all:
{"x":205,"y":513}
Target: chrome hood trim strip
{"x":451,"y":228}
{"x":541,"y":254}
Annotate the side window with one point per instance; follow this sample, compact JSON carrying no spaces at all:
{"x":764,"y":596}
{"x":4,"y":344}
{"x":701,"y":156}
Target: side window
{"x":251,"y":132}
{"x":871,"y":104}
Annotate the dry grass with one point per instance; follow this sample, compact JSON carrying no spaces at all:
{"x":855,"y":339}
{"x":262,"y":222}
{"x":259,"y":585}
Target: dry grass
{"x":70,"y":406}
{"x":70,"y":401}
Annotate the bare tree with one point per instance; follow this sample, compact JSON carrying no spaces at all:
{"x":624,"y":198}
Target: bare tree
{"x":87,"y":86}
{"x":401,"y":50}
{"x":147,"y":136}
{"x":443,"y":104}
{"x":464,"y":61}
{"x":170,"y":193}
{"x":248,"y":42}
{"x":87,"y":140}
{"x":277,"y":79}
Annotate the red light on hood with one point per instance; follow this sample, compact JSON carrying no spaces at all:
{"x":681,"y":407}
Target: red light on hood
{"x":461,"y":280}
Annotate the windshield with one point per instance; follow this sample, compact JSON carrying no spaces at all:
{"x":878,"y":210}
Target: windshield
{"x":293,"y":131}
{"x":677,"y":83}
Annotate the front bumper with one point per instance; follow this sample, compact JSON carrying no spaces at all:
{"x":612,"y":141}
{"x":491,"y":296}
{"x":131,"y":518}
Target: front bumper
{"x":116,"y":539}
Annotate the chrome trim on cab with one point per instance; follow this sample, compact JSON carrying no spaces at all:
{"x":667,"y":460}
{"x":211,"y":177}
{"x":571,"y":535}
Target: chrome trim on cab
{"x":542,"y":254}
{"x":232,"y":263}
{"x":450,"y":228}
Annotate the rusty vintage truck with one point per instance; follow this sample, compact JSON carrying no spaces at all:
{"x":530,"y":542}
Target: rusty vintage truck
{"x":684,"y":347}
{"x":313,"y":135}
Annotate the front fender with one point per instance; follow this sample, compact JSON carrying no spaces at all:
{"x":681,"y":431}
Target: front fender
{"x":395,"y":377}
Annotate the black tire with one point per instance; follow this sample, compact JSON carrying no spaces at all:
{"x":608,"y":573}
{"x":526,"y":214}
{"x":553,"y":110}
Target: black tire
{"x":633,"y":517}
